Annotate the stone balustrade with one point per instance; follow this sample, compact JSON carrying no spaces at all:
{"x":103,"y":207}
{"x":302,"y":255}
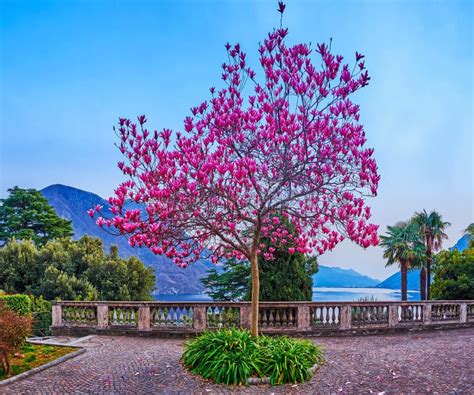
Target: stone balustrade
{"x":310,"y":318}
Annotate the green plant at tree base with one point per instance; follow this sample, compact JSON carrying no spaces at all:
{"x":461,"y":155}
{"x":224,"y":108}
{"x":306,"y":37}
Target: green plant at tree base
{"x":232,"y":356}
{"x":26,"y":214}
{"x":454,"y":275}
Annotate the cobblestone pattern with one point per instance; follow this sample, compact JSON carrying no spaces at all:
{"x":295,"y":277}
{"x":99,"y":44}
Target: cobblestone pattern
{"x":432,"y":362}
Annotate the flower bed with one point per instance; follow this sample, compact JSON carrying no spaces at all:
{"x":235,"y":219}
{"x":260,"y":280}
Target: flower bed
{"x":233,"y":356}
{"x":31,"y":356}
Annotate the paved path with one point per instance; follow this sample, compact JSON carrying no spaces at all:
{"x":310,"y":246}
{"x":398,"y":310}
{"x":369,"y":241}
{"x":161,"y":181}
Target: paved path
{"x":431,"y":362}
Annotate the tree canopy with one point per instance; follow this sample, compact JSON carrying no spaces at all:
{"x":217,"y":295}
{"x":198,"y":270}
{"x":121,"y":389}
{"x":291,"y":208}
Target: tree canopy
{"x":26,"y":214}
{"x":73,"y":270}
{"x":454,"y":275}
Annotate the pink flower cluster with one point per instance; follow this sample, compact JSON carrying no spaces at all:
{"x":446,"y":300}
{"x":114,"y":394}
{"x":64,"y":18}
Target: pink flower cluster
{"x":288,"y":144}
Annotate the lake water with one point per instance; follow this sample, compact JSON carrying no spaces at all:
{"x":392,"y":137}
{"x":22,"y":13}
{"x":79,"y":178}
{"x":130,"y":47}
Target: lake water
{"x":320,"y":294}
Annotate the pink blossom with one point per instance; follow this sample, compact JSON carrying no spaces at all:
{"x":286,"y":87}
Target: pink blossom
{"x":247,"y":156}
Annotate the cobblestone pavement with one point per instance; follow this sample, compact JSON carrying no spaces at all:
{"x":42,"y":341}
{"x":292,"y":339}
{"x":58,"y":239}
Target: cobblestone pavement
{"x":431,"y":362}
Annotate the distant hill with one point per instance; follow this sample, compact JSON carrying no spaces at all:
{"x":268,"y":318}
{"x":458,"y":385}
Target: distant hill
{"x":462,"y":243}
{"x":337,"y":277}
{"x":73,"y":203}
{"x":393,"y":282}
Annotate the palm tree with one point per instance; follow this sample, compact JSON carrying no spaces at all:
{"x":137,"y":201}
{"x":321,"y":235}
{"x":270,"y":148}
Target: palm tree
{"x":402,"y":245}
{"x":431,"y":227}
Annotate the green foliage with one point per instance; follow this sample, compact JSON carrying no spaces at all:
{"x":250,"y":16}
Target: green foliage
{"x":454,"y":275}
{"x":288,"y":360}
{"x":287,"y":277}
{"x":57,"y":284}
{"x":231,"y":284}
{"x":18,"y":303}
{"x":42,"y":315}
{"x":232,"y":356}
{"x":228,"y":356}
{"x":19,"y":269}
{"x":26,"y":214}
{"x":73,"y":270}
{"x":402,"y":244}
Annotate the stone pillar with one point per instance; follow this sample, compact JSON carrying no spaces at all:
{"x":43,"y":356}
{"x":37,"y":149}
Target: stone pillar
{"x":102,"y":316}
{"x":144,"y":318}
{"x":463,"y":313}
{"x":57,"y":315}
{"x":245,"y":315}
{"x":393,"y":315}
{"x":345,"y":317}
{"x":199,"y":318}
{"x":304,"y":319}
{"x":426,"y":313}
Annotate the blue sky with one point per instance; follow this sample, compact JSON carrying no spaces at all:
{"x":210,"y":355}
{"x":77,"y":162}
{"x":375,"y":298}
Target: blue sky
{"x":69,"y":69}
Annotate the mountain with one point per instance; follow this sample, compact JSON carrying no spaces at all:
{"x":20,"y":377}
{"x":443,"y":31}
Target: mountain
{"x":337,"y":277}
{"x":72,"y":203}
{"x":393,"y":282}
{"x":462,"y":243}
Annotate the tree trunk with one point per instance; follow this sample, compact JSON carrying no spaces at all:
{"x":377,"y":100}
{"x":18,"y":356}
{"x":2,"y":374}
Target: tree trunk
{"x":255,"y":280}
{"x":423,"y":283}
{"x":403,"y":270}
{"x":428,"y":271}
{"x":255,"y":294}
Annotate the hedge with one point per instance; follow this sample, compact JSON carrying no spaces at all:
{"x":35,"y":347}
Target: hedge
{"x":18,"y":302}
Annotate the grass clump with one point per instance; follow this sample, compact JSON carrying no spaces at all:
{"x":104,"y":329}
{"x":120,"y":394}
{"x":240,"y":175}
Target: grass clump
{"x":226,"y":356}
{"x":232,"y":356}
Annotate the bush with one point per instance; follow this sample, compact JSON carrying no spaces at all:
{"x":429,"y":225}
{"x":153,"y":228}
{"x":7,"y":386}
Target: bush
{"x":454,"y":275}
{"x":232,"y":356}
{"x":42,"y":315}
{"x":18,"y":303}
{"x":14,"y":328}
{"x":288,"y":360}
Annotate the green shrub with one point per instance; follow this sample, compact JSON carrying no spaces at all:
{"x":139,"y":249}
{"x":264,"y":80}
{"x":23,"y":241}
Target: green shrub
{"x":288,"y":360}
{"x":18,"y":303}
{"x":227,"y":356}
{"x":232,"y":356}
{"x":42,"y":315}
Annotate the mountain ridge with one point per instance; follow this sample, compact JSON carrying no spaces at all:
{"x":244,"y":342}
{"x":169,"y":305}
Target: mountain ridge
{"x":72,"y":203}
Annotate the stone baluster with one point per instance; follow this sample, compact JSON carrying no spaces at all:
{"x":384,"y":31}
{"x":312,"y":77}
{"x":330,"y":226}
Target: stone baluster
{"x":200,"y":318}
{"x":393,"y":315}
{"x":303,"y":318}
{"x":463,"y":313}
{"x":57,"y":315}
{"x":346,"y":317}
{"x":427,"y":313}
{"x":246,"y":316}
{"x":102,"y":316}
{"x":144,"y":318}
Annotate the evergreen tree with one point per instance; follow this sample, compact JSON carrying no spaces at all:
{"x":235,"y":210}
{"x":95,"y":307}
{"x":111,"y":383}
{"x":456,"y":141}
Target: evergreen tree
{"x":287,"y":277}
{"x":26,"y":214}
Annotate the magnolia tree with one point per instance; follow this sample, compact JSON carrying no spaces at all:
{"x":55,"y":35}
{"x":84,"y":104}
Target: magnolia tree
{"x":288,"y":143}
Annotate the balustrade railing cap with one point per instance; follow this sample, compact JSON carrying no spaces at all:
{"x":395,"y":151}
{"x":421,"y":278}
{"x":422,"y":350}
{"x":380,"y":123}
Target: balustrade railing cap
{"x":263,"y":304}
